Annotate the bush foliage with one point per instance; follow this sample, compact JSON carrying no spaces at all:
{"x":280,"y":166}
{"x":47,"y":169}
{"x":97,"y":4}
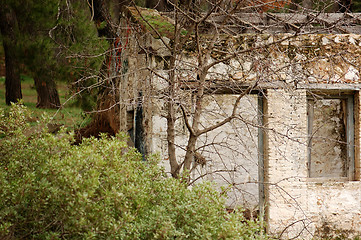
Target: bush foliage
{"x":100,"y":189}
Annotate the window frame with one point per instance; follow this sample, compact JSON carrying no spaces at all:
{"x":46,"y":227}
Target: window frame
{"x":350,"y":135}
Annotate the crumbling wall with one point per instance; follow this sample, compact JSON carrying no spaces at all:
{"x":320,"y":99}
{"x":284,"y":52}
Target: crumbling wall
{"x":286,"y":161}
{"x":297,"y":205}
{"x":328,"y":144}
{"x":297,"y":60}
{"x":336,"y":204}
{"x":135,"y":100}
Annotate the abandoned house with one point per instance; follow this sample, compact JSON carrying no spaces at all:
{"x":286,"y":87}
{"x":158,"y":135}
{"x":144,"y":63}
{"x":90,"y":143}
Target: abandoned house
{"x":290,"y":152}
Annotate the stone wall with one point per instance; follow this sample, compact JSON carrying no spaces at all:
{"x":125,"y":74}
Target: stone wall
{"x":285,"y":158}
{"x":328,"y":144}
{"x":297,"y":205}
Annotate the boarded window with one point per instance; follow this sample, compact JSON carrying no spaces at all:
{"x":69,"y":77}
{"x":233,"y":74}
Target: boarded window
{"x":330,"y":129}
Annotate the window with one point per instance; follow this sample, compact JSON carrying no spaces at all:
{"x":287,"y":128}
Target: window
{"x":331,"y":137}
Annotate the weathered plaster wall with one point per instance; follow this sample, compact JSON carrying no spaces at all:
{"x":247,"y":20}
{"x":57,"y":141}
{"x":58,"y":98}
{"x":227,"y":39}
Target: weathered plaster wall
{"x":134,"y":88}
{"x":328,"y":146}
{"x":299,"y":206}
{"x":336,"y":204}
{"x":231,"y":151}
{"x":286,"y":159}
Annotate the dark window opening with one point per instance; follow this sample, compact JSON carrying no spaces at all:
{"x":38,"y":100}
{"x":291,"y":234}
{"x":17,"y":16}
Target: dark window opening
{"x":136,"y":128}
{"x":139,"y":141}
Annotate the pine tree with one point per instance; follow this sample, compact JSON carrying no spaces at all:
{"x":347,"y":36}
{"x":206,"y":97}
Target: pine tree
{"x":9,"y":31}
{"x":36,"y":19}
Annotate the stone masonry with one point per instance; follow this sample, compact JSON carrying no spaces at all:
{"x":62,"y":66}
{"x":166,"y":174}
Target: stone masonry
{"x":289,"y":74}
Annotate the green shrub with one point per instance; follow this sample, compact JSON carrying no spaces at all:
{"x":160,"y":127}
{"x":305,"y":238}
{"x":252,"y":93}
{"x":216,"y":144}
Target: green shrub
{"x":101,"y":189}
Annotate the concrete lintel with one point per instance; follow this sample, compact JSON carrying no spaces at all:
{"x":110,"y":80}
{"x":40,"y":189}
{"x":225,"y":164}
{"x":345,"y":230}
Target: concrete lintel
{"x":332,"y":86}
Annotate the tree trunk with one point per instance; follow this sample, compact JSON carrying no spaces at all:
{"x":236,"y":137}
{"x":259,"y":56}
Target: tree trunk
{"x":174,"y":166}
{"x":101,"y":17}
{"x":191,"y":147}
{"x":118,"y":8}
{"x":106,"y":118}
{"x":48,"y":96}
{"x":9,"y":28}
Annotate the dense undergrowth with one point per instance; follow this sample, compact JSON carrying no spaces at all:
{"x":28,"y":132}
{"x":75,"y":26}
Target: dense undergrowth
{"x":100,"y":189}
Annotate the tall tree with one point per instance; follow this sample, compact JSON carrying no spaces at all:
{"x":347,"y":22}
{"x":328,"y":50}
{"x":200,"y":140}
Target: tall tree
{"x":24,"y":27}
{"x":48,"y":96}
{"x":105,"y":119}
{"x":79,"y":50}
{"x":37,"y":49}
{"x":9,"y":31}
